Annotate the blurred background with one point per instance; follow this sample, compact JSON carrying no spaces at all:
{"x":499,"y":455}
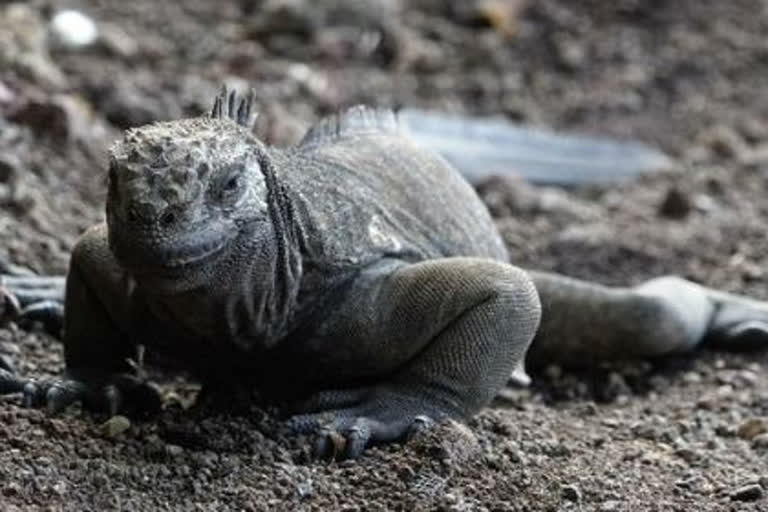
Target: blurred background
{"x":616,"y":67}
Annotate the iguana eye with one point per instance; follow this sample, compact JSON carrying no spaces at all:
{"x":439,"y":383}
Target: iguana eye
{"x":229,"y":188}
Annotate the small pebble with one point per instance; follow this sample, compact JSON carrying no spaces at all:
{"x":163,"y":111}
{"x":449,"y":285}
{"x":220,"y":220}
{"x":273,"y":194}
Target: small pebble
{"x":571,"y":54}
{"x":6,"y":94}
{"x":118,"y":43}
{"x":9,"y":168}
{"x":752,"y":428}
{"x":676,"y":204}
{"x":115,"y":426}
{"x":689,"y":455}
{"x":749,"y":492}
{"x":62,"y":117}
{"x":645,"y":431}
{"x":704,"y":203}
{"x":726,"y":142}
{"x":571,"y":493}
{"x":305,"y":489}
{"x":12,"y":489}
{"x":691,"y":377}
{"x":760,"y":441}
{"x":174,"y":450}
{"x":59,"y":488}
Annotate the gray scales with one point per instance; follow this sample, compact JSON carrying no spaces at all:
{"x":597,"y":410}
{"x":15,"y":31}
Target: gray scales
{"x":356,"y":281}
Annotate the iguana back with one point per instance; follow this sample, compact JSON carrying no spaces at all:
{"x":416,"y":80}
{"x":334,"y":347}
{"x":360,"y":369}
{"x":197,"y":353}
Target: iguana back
{"x":369,"y":192}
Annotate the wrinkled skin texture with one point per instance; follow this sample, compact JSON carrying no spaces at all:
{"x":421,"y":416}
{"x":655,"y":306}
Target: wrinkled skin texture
{"x":355,"y":280}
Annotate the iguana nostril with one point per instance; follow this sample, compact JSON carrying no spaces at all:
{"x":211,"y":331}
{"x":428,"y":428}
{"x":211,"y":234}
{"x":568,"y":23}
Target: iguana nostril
{"x":168,"y":218}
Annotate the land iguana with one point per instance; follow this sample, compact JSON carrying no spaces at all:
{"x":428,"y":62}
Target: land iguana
{"x":356,"y":280}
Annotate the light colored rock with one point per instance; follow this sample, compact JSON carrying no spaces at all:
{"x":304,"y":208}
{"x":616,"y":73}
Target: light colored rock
{"x":115,"y":426}
{"x":753,"y":427}
{"x":72,"y":29}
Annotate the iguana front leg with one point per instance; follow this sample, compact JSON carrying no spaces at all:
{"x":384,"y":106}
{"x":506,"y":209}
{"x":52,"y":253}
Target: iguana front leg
{"x":97,"y":345}
{"x":442,"y":336}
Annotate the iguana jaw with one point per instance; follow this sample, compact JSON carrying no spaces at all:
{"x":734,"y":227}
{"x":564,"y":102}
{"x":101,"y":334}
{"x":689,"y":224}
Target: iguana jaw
{"x":173,"y":263}
{"x":172,"y":260}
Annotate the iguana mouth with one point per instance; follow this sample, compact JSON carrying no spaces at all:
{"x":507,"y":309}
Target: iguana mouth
{"x":152,"y":257}
{"x":186,"y":256}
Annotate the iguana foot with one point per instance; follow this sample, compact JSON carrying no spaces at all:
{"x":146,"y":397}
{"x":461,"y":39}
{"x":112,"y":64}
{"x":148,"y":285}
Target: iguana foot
{"x":362,"y":418}
{"x":711,"y":317}
{"x":737,"y":323}
{"x":28,"y":299}
{"x":120,"y":393}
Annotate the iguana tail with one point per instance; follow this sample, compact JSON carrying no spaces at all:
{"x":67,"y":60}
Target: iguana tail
{"x":584,"y":323}
{"x":481,"y":148}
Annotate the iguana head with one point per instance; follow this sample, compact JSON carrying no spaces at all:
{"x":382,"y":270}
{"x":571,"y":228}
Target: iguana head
{"x":182,"y":193}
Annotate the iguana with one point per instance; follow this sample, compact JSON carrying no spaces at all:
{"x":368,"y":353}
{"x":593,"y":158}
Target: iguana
{"x":356,"y":280}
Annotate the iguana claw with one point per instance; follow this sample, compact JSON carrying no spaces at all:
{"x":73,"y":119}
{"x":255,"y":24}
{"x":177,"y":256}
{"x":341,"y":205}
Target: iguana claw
{"x":122,"y":392}
{"x":345,"y":433}
{"x":349,"y":434}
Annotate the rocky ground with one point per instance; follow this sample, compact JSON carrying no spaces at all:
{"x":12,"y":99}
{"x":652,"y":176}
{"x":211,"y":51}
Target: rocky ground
{"x":689,"y":76}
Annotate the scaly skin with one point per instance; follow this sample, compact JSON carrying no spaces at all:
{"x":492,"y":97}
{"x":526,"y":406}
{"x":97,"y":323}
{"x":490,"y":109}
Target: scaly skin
{"x":355,"y":280}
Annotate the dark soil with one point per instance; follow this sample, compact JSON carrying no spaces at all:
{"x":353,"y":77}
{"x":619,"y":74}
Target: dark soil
{"x":689,"y":76}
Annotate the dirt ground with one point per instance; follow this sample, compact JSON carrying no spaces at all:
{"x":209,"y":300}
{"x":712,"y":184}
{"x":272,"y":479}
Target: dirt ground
{"x":685,"y":433}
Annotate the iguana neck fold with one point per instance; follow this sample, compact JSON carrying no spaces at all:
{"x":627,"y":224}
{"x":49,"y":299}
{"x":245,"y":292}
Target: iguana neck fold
{"x":282,"y":297}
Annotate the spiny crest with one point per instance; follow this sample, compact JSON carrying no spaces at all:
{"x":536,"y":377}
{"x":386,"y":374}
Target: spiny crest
{"x":356,"y":121}
{"x":178,"y":159}
{"x":227,"y":106}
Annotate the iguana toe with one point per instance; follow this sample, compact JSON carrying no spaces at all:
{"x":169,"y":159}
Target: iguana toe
{"x":346,"y":432}
{"x":58,"y":396}
{"x":344,"y":438}
{"x":348,"y":436}
{"x":121,"y":393}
